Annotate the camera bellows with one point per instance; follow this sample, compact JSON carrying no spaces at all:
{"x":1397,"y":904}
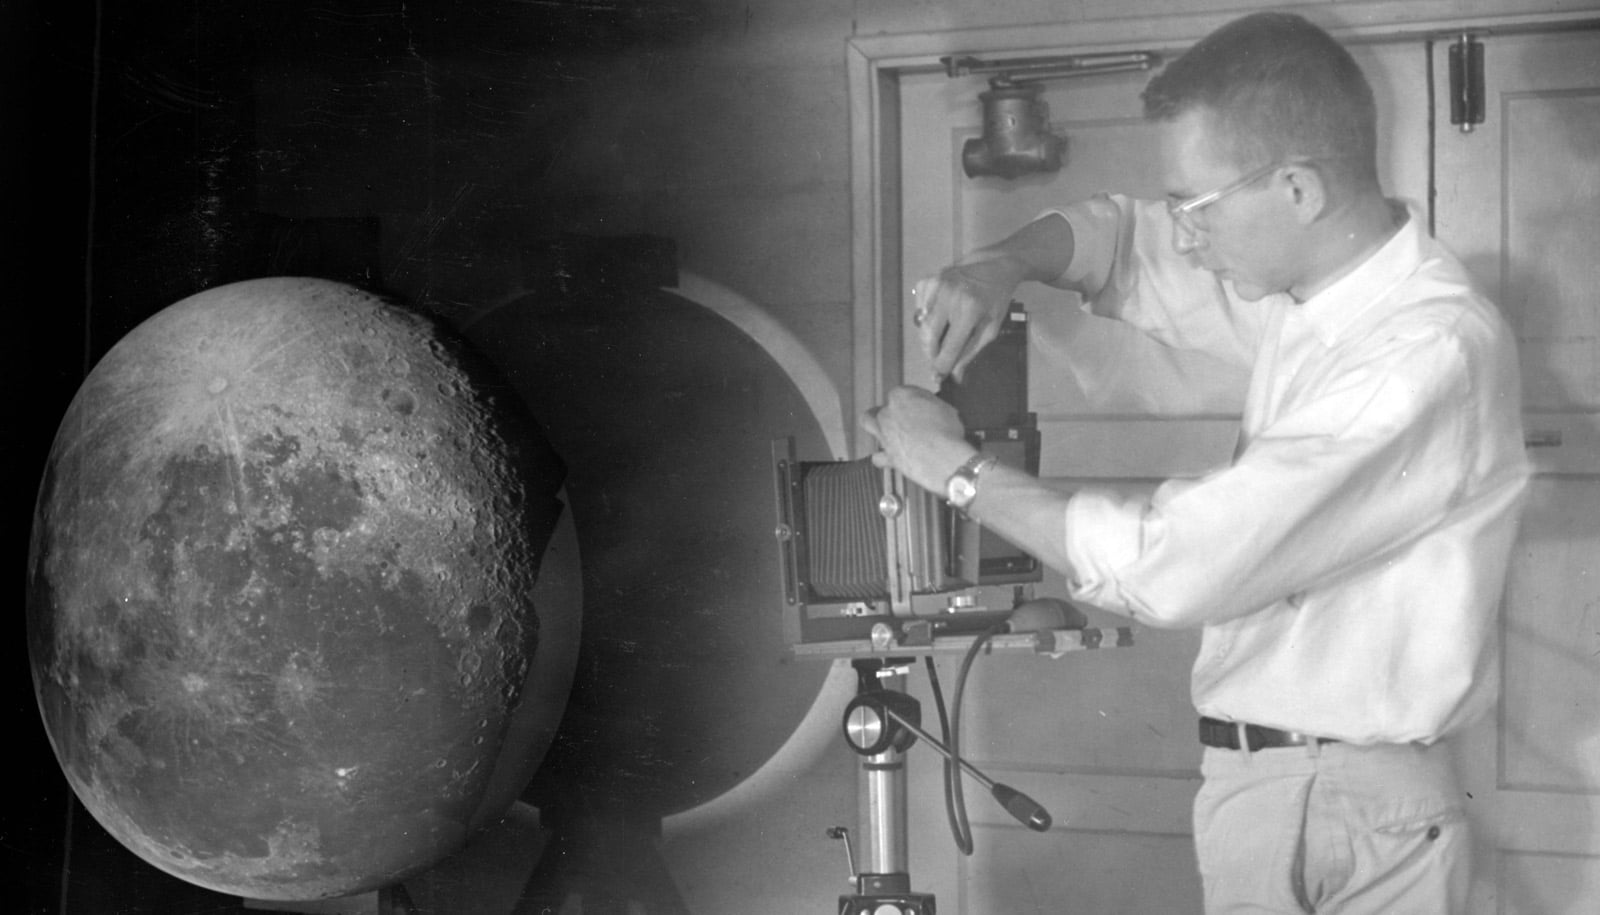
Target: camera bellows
{"x":846,"y":543}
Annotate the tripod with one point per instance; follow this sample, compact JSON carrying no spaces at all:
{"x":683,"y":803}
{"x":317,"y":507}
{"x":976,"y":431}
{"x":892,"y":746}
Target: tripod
{"x":880,"y":724}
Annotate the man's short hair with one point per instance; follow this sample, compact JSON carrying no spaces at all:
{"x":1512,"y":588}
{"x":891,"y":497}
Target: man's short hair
{"x":1279,"y":87}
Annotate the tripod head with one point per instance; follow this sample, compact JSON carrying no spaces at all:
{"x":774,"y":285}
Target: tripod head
{"x":874,"y":722}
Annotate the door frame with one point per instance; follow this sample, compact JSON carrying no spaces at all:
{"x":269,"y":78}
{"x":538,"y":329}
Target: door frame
{"x":874,"y":65}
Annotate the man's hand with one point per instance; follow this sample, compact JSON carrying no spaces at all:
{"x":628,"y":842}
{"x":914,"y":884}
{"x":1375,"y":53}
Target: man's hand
{"x":921,"y":436}
{"x":960,"y":311}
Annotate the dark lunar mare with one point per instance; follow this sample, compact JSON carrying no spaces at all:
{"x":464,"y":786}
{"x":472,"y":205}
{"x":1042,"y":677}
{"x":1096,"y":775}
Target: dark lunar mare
{"x":279,"y":589}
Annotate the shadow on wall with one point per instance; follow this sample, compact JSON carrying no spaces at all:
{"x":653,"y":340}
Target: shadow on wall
{"x":665,"y":414}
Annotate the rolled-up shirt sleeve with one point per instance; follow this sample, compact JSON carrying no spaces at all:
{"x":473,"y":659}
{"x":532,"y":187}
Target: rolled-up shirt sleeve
{"x":1126,"y":269}
{"x":1353,"y":471}
{"x":1372,"y":502}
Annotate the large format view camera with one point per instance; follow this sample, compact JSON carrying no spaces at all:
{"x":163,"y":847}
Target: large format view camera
{"x":869,"y":557}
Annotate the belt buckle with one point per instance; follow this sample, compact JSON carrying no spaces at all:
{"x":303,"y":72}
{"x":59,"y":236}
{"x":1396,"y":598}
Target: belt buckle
{"x":1290,"y":739}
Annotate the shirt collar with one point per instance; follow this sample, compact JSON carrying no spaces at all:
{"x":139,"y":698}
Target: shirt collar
{"x":1331,"y":311}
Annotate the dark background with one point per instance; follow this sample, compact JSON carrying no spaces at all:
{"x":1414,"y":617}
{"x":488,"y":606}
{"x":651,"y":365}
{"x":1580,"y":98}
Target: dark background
{"x":46,"y":107}
{"x":155,"y":150}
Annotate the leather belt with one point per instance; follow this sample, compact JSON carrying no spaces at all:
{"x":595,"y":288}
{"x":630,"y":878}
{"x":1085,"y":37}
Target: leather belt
{"x":1227,"y":734}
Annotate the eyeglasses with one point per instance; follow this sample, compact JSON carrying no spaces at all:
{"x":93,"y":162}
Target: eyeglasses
{"x":1183,"y":210}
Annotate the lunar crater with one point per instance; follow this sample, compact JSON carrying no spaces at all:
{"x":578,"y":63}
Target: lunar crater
{"x":264,"y":602}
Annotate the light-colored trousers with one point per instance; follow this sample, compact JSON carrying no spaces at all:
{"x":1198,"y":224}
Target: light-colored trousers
{"x":1337,"y":828}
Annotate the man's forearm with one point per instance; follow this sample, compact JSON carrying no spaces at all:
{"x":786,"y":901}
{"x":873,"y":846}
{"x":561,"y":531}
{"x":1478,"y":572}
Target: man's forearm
{"x":1028,"y":512}
{"x":1040,"y":251}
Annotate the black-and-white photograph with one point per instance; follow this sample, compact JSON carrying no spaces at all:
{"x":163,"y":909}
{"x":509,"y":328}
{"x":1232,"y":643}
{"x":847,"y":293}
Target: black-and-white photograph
{"x":884,"y":457}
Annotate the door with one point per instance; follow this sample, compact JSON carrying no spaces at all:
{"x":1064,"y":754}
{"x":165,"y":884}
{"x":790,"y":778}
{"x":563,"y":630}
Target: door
{"x":1519,"y":201}
{"x":1104,"y":739}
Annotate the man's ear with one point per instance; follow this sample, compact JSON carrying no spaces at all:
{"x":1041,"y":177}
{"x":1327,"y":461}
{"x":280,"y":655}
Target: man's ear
{"x":1307,"y":190}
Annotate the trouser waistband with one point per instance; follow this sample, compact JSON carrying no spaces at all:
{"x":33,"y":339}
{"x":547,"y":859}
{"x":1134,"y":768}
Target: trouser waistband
{"x":1237,"y":735}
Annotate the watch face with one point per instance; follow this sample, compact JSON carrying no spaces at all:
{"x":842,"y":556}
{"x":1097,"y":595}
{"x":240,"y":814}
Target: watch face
{"x":961,"y":490}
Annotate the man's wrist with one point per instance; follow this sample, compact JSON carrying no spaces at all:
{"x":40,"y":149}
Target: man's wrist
{"x":961,"y":488}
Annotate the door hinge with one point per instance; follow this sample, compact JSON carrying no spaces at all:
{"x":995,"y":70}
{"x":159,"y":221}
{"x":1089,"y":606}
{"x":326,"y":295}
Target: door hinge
{"x":1466,"y":83}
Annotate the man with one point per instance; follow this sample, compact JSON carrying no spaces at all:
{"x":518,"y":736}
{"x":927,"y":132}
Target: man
{"x":1347,"y":566}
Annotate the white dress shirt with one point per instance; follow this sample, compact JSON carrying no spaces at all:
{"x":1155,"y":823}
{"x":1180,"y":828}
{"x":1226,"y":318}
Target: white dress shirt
{"x":1348,"y":565}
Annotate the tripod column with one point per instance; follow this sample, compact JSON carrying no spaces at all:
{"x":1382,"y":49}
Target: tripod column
{"x":883,"y":884}
{"x":883,"y":807}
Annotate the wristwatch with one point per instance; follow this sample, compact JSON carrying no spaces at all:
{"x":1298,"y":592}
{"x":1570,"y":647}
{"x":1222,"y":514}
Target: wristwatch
{"x":962,"y":487}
